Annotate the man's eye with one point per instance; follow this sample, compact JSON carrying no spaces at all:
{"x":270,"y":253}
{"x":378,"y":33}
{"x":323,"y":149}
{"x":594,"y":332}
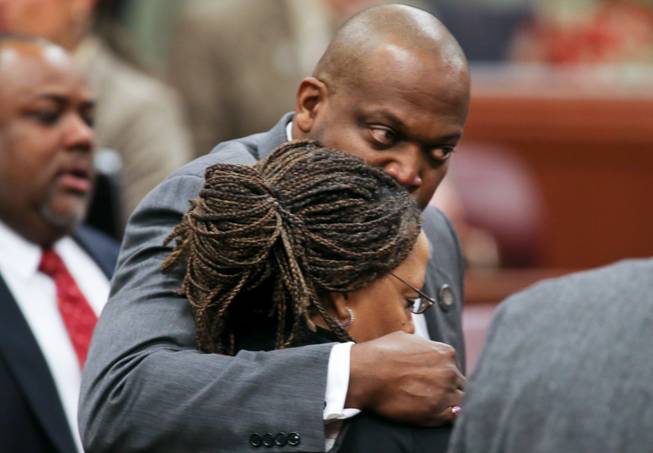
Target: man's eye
{"x":383,"y":136}
{"x":442,"y":153}
{"x":89,"y":119}
{"x":46,"y":117}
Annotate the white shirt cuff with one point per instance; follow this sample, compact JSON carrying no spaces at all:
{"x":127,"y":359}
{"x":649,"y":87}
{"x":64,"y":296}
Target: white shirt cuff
{"x":338,"y":384}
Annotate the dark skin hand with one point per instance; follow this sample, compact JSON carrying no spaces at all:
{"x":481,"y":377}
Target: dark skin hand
{"x":405,"y":378}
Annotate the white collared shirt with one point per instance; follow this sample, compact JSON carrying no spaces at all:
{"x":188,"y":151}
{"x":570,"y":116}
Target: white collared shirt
{"x":35,"y":294}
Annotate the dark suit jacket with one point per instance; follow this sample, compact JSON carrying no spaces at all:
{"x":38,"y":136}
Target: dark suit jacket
{"x":368,"y":432}
{"x":143,"y":352}
{"x":32,"y":418}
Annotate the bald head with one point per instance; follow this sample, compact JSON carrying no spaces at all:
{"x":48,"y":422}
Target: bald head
{"x":16,"y":49}
{"x":64,"y":22}
{"x":392,"y":89}
{"x":15,"y":46}
{"x":395,"y":32}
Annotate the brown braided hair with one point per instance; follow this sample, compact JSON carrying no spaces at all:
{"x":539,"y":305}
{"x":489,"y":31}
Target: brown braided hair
{"x":302,"y":223}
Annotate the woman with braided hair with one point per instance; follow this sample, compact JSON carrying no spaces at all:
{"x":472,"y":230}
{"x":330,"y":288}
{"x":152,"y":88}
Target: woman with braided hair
{"x":307,"y":246}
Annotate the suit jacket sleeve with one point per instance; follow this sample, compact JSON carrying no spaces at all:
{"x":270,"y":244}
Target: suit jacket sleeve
{"x":146,"y":388}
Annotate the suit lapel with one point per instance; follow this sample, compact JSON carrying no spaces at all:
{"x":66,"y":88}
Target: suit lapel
{"x":431,"y":285}
{"x":99,"y":249}
{"x":26,"y":362}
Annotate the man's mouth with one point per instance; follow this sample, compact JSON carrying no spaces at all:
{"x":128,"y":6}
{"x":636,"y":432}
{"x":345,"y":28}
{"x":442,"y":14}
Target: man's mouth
{"x":76,"y":179}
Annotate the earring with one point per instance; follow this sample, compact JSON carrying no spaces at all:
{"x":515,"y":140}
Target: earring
{"x":350,"y":319}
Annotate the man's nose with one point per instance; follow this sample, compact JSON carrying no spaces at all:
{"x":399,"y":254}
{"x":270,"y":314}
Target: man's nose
{"x":405,"y":168}
{"x":79,"y":135}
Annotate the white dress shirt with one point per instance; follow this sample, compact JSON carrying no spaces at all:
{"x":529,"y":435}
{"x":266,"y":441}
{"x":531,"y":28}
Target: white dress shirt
{"x":338,"y":373}
{"x":35,"y":294}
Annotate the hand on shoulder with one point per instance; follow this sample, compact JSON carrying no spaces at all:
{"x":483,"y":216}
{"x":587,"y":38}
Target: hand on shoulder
{"x":406,"y":378}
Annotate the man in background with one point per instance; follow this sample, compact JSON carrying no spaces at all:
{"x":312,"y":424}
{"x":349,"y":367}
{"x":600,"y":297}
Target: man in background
{"x":567,"y":367}
{"x":54,"y":276}
{"x":137,"y":116}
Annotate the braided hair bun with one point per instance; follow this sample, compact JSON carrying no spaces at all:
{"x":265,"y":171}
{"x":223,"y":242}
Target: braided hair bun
{"x":304,"y":222}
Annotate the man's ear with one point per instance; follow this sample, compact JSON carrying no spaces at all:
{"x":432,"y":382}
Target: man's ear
{"x":311,"y":96}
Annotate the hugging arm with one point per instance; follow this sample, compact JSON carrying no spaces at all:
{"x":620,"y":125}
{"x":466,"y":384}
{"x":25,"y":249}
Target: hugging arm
{"x":146,"y":388}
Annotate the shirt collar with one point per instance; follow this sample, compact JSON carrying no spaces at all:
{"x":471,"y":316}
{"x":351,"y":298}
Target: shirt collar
{"x":289,"y":131}
{"x":17,"y":253}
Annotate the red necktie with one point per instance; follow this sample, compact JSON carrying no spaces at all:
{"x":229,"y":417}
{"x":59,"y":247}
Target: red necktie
{"x":77,"y":314}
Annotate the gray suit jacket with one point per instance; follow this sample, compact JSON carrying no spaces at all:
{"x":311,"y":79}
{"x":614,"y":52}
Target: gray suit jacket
{"x":568,"y":367}
{"x":145,"y":387}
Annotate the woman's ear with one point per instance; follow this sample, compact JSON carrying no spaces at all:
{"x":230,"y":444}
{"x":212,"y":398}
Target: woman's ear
{"x":339,"y":301}
{"x":311,"y":96}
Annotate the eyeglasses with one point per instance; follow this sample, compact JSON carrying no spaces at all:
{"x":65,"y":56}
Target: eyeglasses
{"x":418,"y":304}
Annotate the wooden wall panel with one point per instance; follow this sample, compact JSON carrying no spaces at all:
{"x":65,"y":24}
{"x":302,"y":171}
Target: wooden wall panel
{"x":591,"y":153}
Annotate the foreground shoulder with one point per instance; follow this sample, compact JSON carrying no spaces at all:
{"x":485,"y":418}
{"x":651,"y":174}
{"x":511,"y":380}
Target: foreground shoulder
{"x":231,"y":152}
{"x":173,"y":194}
{"x":627,"y":280}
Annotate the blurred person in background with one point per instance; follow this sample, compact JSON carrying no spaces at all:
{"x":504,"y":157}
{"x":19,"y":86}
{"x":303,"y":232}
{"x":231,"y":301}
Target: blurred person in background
{"x":484,"y":28}
{"x":494,"y":203}
{"x":567,"y":368}
{"x":54,"y":275}
{"x":480,"y":249}
{"x":237,"y":63}
{"x":588,"y":32}
{"x":137,"y":116}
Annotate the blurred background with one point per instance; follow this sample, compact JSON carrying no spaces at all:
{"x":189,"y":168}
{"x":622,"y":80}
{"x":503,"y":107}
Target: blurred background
{"x":555,"y":173}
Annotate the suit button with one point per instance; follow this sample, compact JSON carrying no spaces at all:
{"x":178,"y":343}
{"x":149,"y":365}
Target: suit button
{"x":445,"y":297}
{"x":281,"y":439}
{"x":268,"y":440}
{"x":294,"y":439}
{"x":255,"y":440}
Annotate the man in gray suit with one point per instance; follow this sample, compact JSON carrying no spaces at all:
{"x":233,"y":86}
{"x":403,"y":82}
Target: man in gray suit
{"x":393,"y":88}
{"x":567,"y":368}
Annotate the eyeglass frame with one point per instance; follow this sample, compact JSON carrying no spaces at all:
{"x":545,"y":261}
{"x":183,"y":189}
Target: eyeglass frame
{"x":431,"y":301}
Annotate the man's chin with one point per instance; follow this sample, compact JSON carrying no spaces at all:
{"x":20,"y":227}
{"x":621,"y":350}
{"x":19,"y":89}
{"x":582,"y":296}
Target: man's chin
{"x":64,"y":220}
{"x":423,"y":195}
